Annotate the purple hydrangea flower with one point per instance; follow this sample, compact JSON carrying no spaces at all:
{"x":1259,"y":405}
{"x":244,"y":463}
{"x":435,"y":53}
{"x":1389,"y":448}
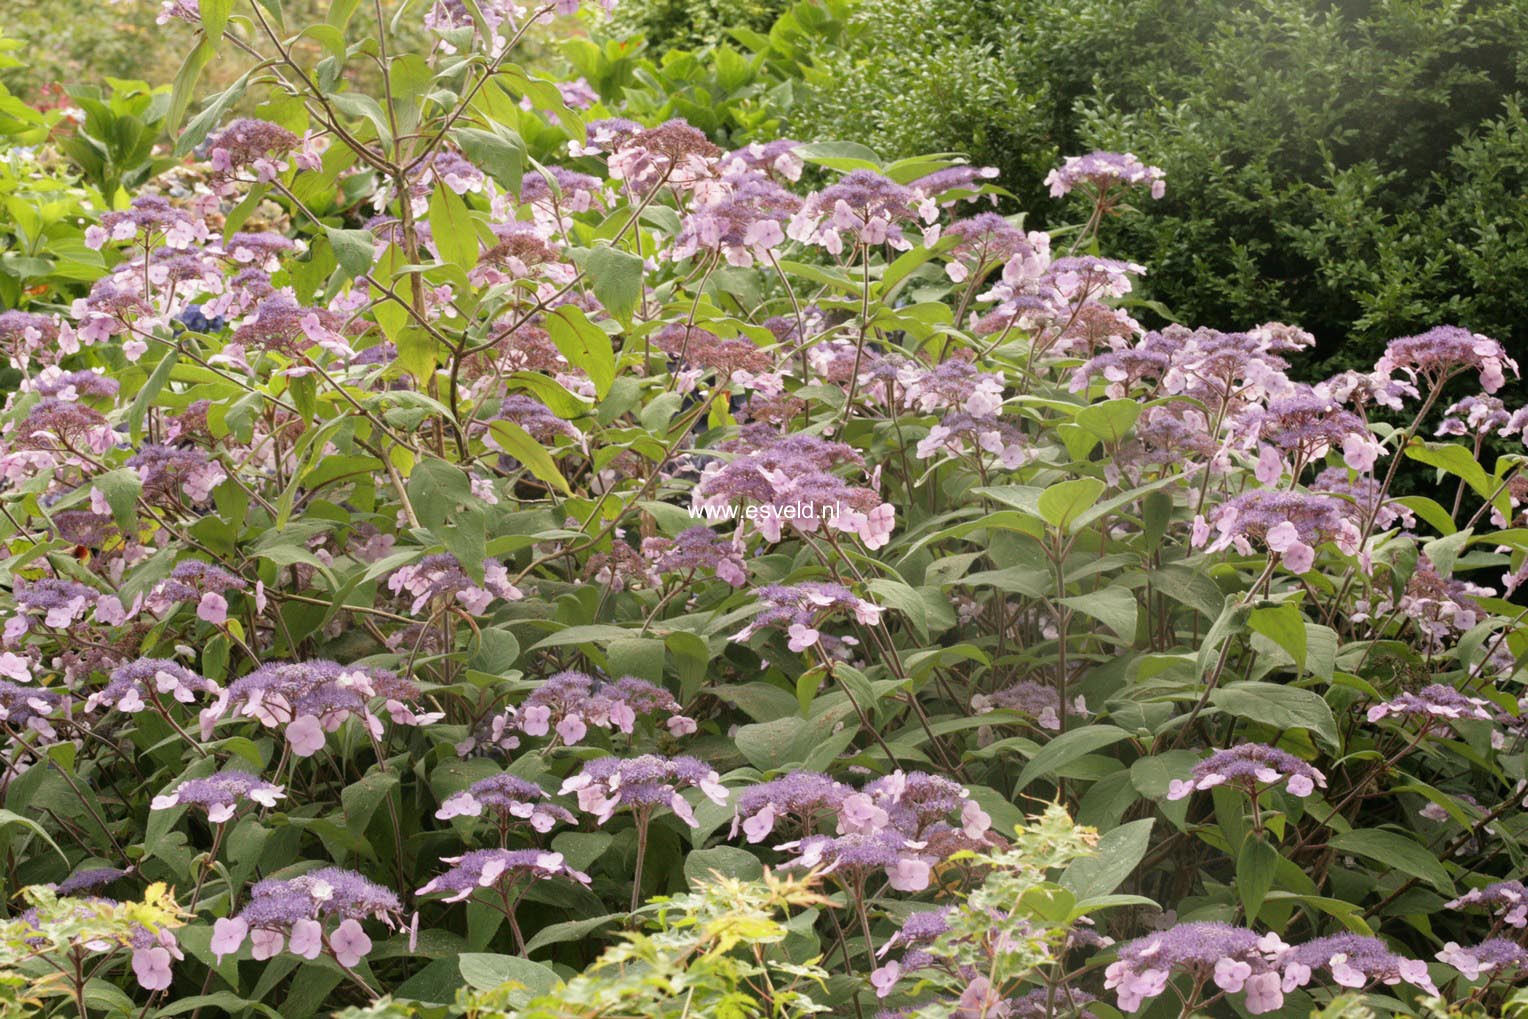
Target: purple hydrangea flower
{"x":170,"y":472}
{"x":24,"y":331}
{"x":440,"y":578}
{"x":742,"y":217}
{"x":788,"y":479}
{"x":1354,"y":961}
{"x":1435,"y":701}
{"x":75,"y":385}
{"x":152,"y":216}
{"x":1494,"y":957}
{"x":1250,"y":766}
{"x":1234,"y":958}
{"x":856,"y":856}
{"x":569,"y":703}
{"x":88,"y":879}
{"x":510,"y":799}
{"x":221,"y":795}
{"x":61,"y":603}
{"x":1039,"y":701}
{"x":503,"y":868}
{"x":1103,"y":171}
{"x":312,"y":698}
{"x":801,"y":798}
{"x":778,"y":157}
{"x":1288,"y":524}
{"x":696,"y":549}
{"x":673,"y":153}
{"x":299,"y":908}
{"x":643,"y":783}
{"x":1445,"y":351}
{"x":801,"y":609}
{"x":1507,"y":900}
{"x":132,"y":686}
{"x":253,"y":144}
{"x":987,"y":239}
{"x":281,"y":324}
{"x":869,"y":208}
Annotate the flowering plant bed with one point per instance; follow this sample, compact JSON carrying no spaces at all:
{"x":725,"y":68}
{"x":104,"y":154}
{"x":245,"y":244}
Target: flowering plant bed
{"x":579,"y":570}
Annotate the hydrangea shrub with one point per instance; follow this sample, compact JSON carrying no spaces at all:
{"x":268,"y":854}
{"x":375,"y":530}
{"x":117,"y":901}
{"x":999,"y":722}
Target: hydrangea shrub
{"x":669,"y":580}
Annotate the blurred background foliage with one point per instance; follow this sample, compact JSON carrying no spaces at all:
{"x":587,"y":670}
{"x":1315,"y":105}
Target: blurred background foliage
{"x":1358,"y":167}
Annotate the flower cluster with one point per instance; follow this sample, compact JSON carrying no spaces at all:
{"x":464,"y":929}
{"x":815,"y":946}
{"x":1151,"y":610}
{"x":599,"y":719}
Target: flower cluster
{"x":299,"y":908}
{"x":309,"y":699}
{"x":1233,"y":958}
{"x":788,"y":479}
{"x":1288,"y":524}
{"x":693,"y":550}
{"x":504,"y":868}
{"x":221,"y":795}
{"x":1250,"y":766}
{"x":1103,"y":171}
{"x":642,"y":784}
{"x":902,"y":824}
{"x":570,"y":703}
{"x":1433,"y":702}
{"x":801,"y":609}
{"x":1507,"y":900}
{"x":510,"y":800}
{"x":148,"y":680}
{"x":1444,"y":352}
{"x":440,"y":580}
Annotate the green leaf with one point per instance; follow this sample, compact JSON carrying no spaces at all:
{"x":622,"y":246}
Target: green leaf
{"x":1066,"y":748}
{"x":1062,"y":503}
{"x":121,"y":489}
{"x":219,"y":1002}
{"x":1285,"y":626}
{"x":436,"y":488}
{"x":1396,"y":851}
{"x":1256,"y":865}
{"x":1349,"y":915}
{"x":517,"y":442}
{"x":1119,"y":851}
{"x":840,"y":156}
{"x":770,"y":746}
{"x":1227,"y":623}
{"x":728,"y":861}
{"x":452,"y":228}
{"x":895,"y":594}
{"x":359,"y":104}
{"x":352,"y":249}
{"x":571,"y":930}
{"x":150,"y":391}
{"x":593,"y":633}
{"x":212,"y":114}
{"x":10,"y":817}
{"x":1110,"y":420}
{"x":558,"y":400}
{"x":486,"y":972}
{"x":1283,"y":707}
{"x":360,"y":800}
{"x":1452,"y":458}
{"x":617,"y":279}
{"x":499,"y":152}
{"x":185,"y":82}
{"x":585,"y":345}
{"x":417,"y":352}
{"x":1444,"y":552}
{"x":1115,"y":607}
